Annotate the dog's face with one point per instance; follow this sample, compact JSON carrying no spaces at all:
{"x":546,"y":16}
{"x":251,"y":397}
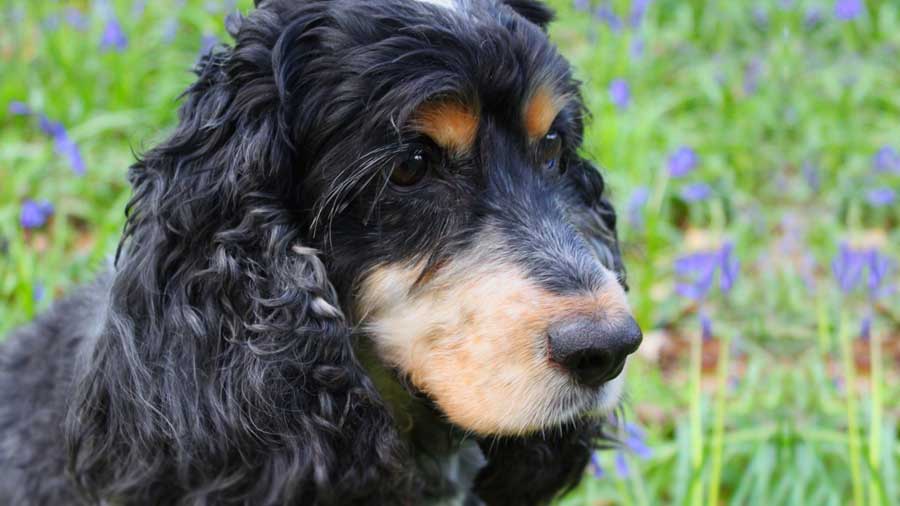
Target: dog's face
{"x":470,"y":243}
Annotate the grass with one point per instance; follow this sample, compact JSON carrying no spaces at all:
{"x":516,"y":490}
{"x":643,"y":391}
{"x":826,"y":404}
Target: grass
{"x":782,"y":404}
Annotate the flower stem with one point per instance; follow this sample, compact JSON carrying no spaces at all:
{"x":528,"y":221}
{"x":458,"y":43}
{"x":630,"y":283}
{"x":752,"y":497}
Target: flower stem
{"x":696,"y":420}
{"x":876,"y":407}
{"x":853,"y":442}
{"x":719,"y":421}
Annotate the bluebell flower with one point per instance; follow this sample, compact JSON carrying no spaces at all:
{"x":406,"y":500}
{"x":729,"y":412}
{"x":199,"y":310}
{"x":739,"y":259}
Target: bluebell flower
{"x":635,"y":207}
{"x":620,"y":93}
{"x":682,"y":162}
{"x":170,"y":30}
{"x":700,"y":270}
{"x":635,"y":441}
{"x":846,"y":10}
{"x":605,"y":14}
{"x":35,"y":214}
{"x":37,"y":292}
{"x":880,"y":269}
{"x":886,"y":160}
{"x":847,"y":267}
{"x":638,"y":10}
{"x":207,"y":43}
{"x":138,"y":7}
{"x":113,"y":36}
{"x":812,"y":176}
{"x":582,"y":5}
{"x":752,"y":72}
{"x":64,"y":145}
{"x":638,"y":46}
{"x":731,"y":267}
{"x":17,"y":108}
{"x":865,"y":328}
{"x":695,"y":192}
{"x":706,"y":327}
{"x":77,"y":19}
{"x":760,"y":18}
{"x":812,"y":18}
{"x":880,"y":197}
{"x":621,"y":465}
{"x":596,"y":468}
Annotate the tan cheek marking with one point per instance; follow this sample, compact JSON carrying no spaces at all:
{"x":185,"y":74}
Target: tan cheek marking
{"x":474,"y":340}
{"x":540,"y":112}
{"x":451,"y":125}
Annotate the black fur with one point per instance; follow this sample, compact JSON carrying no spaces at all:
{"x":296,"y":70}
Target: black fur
{"x":215,"y":366}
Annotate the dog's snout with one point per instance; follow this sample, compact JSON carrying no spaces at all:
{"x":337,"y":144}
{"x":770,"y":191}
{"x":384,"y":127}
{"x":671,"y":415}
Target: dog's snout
{"x":593,"y":351}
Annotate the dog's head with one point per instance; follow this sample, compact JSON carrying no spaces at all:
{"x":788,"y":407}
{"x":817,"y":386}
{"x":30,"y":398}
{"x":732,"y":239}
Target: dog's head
{"x":397,"y":174}
{"x":468,"y":239}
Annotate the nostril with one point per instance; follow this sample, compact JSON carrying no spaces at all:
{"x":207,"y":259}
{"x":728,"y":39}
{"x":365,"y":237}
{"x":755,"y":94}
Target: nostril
{"x":593,"y":351}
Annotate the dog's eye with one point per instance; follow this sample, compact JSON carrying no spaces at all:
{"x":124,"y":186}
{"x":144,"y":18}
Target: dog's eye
{"x":549,"y":151}
{"x":414,"y":168}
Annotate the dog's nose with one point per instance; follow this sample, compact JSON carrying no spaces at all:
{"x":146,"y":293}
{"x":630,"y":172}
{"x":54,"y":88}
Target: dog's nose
{"x":594,"y":351}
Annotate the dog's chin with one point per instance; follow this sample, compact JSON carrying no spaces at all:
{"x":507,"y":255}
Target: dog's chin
{"x":576,"y":404}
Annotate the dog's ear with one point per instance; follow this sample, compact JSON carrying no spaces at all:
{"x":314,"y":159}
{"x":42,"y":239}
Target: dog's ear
{"x":533,"y":11}
{"x":224,"y":371}
{"x":532,"y":470}
{"x":596,"y":220}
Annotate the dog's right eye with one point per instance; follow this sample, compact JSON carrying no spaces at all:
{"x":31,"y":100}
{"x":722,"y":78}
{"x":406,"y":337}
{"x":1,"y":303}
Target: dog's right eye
{"x":414,"y":168}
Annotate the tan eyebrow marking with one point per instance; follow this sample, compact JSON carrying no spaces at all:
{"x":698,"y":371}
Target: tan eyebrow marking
{"x":451,"y":125}
{"x":540,"y":111}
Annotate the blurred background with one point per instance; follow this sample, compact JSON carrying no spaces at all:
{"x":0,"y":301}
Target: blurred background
{"x":753,"y":152}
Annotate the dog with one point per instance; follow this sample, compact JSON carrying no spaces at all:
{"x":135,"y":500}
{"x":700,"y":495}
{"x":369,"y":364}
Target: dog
{"x":368,"y":267}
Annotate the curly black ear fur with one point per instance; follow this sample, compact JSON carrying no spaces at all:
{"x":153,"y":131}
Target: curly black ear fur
{"x":533,"y":470}
{"x":224,"y":373}
{"x":597,"y":220}
{"x":533,"y":11}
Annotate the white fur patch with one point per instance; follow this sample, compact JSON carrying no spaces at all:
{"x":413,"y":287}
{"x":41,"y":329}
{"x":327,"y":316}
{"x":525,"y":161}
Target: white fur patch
{"x":447,"y":4}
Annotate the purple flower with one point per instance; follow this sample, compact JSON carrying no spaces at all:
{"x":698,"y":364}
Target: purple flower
{"x":682,"y":162}
{"x":752,"y":73}
{"x":605,"y":14}
{"x":63,"y":144}
{"x":812,"y":18}
{"x":886,"y":160}
{"x":77,"y":20}
{"x":636,"y":442}
{"x":207,"y":43}
{"x":113,"y":36}
{"x":695,"y":192}
{"x":620,"y":93}
{"x":621,"y":465}
{"x":847,"y":267}
{"x":17,"y":108}
{"x":700,"y":269}
{"x":635,"y":207}
{"x":37,"y":293}
{"x":638,"y":10}
{"x":761,"y":18}
{"x":880,"y":268}
{"x":169,"y":30}
{"x":812,"y":176}
{"x":582,"y":5}
{"x":880,"y":197}
{"x":706,"y":327}
{"x":865,"y":330}
{"x":638,"y":45}
{"x":731,"y":268}
{"x":846,"y":10}
{"x":35,"y":214}
{"x":596,"y":468}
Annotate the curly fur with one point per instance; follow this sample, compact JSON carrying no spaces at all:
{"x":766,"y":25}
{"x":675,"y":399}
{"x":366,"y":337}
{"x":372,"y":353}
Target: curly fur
{"x":214,"y":365}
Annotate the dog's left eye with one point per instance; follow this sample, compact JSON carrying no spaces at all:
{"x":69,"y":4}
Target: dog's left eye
{"x":549,"y":151}
{"x":413,"y":169}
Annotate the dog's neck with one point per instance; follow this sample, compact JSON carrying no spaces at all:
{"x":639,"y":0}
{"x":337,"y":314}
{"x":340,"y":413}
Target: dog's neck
{"x":445,"y":458}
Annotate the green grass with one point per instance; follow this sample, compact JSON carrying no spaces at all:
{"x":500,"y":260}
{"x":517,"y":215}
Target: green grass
{"x":784,"y":406}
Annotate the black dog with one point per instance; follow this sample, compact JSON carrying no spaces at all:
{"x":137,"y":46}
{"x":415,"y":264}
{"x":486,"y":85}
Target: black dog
{"x":368,"y":267}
